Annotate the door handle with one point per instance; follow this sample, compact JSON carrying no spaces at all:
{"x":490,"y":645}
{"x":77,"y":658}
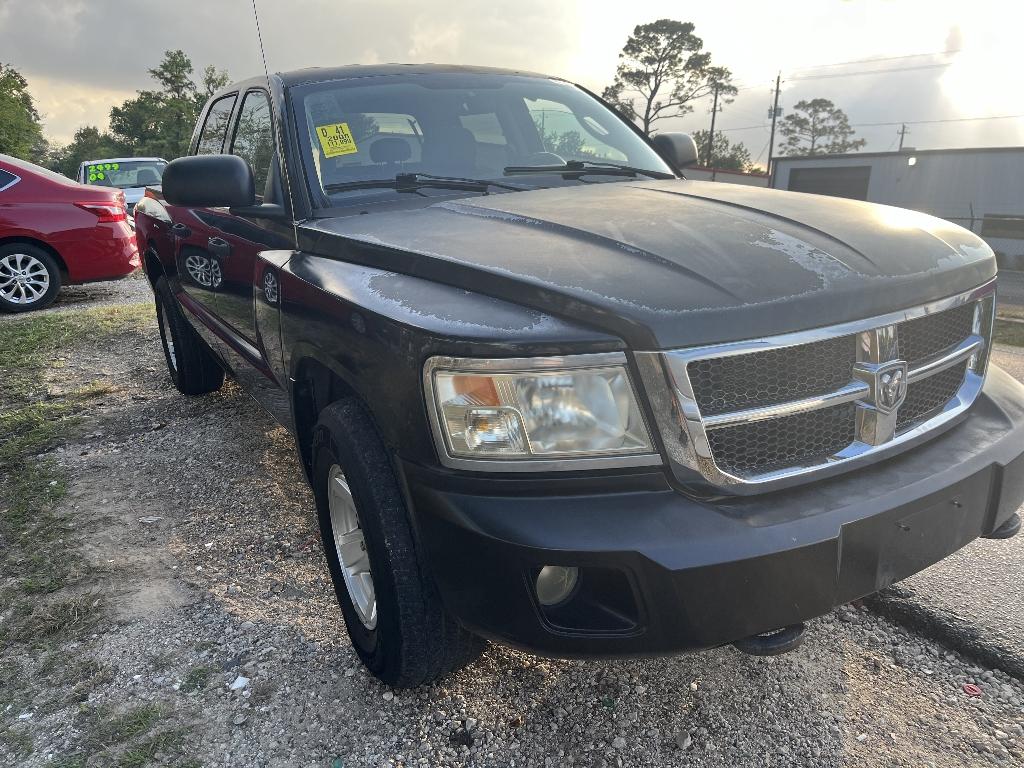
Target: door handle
{"x":180,"y":230}
{"x":219,"y":247}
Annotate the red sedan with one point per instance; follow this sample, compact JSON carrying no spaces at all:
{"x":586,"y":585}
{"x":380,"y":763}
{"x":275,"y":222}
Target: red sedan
{"x":54,"y":231}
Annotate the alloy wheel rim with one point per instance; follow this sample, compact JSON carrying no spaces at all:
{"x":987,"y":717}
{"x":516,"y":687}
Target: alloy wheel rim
{"x":24,"y":279}
{"x":350,"y":544}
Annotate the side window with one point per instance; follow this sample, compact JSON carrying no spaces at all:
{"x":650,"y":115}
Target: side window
{"x":6,"y":179}
{"x":211,"y":140}
{"x":254,"y":136}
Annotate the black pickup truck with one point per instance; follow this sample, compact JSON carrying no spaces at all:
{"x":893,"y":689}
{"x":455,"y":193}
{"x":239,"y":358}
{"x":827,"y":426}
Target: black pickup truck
{"x":548,"y":392}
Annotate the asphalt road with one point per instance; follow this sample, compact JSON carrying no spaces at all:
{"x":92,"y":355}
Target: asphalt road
{"x":1011,"y":288}
{"x":974,"y":599}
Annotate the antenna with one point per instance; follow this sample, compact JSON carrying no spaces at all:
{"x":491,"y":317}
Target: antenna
{"x":278,"y":137}
{"x":259,"y":36}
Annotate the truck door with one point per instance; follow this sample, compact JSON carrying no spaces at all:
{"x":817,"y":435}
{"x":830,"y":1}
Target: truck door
{"x":201,"y":277}
{"x":238,"y":240}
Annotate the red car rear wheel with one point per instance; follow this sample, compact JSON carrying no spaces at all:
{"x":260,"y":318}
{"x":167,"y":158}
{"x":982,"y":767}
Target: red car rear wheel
{"x":29,"y":278}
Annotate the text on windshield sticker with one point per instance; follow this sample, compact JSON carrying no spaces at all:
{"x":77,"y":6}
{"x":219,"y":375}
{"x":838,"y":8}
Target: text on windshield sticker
{"x":336,"y":139}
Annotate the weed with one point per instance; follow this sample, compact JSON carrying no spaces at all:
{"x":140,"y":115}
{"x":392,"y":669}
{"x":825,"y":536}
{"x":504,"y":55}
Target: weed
{"x":196,"y":679}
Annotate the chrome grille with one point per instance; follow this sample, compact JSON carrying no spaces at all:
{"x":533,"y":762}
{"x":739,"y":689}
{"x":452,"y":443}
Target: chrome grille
{"x":724,"y":384}
{"x":761,"y":446}
{"x":926,"y":397}
{"x":764,"y":413}
{"x":929,"y":335}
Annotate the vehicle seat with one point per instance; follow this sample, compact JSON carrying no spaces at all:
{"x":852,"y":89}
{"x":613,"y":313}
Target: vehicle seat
{"x":390,"y":151}
{"x":146,"y":177}
{"x":452,"y":153}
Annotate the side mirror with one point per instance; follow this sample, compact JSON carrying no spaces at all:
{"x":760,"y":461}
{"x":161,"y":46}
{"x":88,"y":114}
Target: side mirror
{"x":678,"y":148}
{"x":209,"y":181}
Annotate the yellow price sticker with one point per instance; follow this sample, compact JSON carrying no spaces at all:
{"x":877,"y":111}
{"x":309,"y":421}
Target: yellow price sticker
{"x":336,"y":139}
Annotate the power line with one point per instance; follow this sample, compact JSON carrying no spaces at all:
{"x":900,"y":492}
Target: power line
{"x":943,"y":120}
{"x":872,"y":71}
{"x":896,"y":122}
{"x":872,"y":60}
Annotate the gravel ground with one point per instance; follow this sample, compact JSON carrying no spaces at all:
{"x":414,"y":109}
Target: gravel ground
{"x":973,"y":598}
{"x":125,"y":291}
{"x":218,"y":610}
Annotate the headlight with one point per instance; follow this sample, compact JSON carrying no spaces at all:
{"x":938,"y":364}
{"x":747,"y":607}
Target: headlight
{"x":537,"y":409}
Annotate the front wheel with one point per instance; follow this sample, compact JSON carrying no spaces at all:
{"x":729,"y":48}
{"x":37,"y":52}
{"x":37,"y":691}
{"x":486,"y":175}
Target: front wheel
{"x":29,"y":278}
{"x":392,"y":610}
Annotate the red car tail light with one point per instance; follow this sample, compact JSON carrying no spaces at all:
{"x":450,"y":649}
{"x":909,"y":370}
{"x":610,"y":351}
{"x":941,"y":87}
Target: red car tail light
{"x":110,"y":211}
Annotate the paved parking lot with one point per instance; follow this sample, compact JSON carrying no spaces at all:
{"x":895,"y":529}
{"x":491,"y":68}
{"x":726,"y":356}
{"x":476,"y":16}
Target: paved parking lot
{"x":209,"y":635}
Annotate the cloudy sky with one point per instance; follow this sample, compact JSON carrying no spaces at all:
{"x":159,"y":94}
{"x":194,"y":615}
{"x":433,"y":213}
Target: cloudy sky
{"x":82,"y":56}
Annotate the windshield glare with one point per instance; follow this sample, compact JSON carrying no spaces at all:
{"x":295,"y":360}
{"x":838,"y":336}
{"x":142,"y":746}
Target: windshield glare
{"x":466,"y":126}
{"x":125,"y":173}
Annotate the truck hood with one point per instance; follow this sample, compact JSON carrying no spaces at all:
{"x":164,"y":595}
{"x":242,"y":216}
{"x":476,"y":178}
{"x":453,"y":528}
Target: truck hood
{"x":665,"y":264}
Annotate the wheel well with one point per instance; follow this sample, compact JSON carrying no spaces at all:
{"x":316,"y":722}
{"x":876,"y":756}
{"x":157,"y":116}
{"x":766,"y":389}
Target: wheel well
{"x":39,"y":244}
{"x":154,"y":267}
{"x":316,"y":387}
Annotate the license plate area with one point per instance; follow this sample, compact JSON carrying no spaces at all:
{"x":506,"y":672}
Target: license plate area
{"x":921,"y":538}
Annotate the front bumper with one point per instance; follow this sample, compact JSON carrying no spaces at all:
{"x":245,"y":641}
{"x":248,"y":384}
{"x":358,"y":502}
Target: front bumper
{"x":685,"y":574}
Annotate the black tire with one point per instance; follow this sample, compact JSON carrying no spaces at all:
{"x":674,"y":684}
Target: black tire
{"x":34,"y":256}
{"x":414,"y":641}
{"x":190,"y":363}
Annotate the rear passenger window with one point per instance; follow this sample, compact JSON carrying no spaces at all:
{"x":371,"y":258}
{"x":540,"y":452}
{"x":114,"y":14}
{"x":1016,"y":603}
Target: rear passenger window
{"x":254,"y":137}
{"x":215,"y":129}
{"x":6,"y":179}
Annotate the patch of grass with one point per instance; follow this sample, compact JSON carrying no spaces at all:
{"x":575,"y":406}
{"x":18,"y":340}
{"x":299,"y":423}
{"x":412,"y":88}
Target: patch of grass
{"x":105,"y":728}
{"x":36,"y":544}
{"x":36,"y":623}
{"x":18,"y":743}
{"x":1008,"y":310}
{"x":196,"y":679}
{"x":1009,"y":333}
{"x":142,"y":753}
{"x":68,"y":761}
{"x":128,"y":738}
{"x":161,"y":662}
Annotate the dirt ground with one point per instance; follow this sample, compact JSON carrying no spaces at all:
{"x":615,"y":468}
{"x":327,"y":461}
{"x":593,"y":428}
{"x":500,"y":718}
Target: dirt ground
{"x":180,"y":614}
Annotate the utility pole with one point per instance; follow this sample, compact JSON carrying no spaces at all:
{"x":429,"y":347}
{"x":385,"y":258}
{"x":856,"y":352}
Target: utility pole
{"x":775,"y":115}
{"x":902,"y":132}
{"x":711,"y":135}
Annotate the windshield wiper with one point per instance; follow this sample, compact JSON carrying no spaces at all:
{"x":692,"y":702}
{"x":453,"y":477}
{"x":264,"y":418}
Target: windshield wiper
{"x":413,"y":182}
{"x":581,"y":167}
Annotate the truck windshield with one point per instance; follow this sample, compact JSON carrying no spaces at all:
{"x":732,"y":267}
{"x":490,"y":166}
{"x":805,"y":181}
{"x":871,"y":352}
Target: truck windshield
{"x":123,"y":174}
{"x":482,"y":127}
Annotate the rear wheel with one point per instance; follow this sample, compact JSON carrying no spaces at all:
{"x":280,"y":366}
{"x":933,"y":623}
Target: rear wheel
{"x":29,"y":278}
{"x":392,"y":610}
{"x":192,"y":366}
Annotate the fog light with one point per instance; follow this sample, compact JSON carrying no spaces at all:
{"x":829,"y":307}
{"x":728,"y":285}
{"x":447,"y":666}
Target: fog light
{"x":555,"y":583}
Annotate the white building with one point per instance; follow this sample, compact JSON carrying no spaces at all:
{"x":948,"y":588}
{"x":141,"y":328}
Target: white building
{"x":980,"y":189}
{"x":703,"y":173}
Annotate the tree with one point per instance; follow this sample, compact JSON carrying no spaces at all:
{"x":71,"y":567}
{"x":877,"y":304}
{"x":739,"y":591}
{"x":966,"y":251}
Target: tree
{"x":213,"y":80}
{"x":662,"y":68}
{"x":727,"y":156}
{"x":21,"y":130}
{"x":160,"y":122}
{"x":818,"y":127}
{"x":89,"y":143}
